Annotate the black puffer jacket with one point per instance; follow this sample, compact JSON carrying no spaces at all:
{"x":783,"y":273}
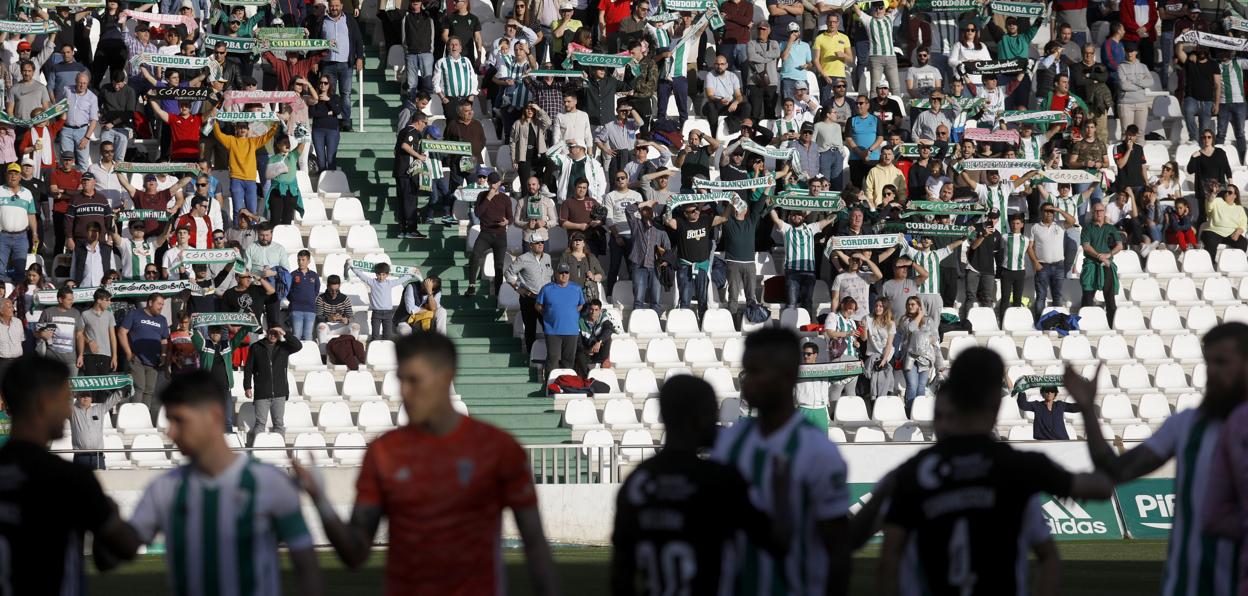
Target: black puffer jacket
{"x":266,"y":364}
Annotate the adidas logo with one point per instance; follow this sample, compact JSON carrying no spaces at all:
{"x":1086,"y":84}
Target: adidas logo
{"x":1065,"y":516}
{"x":1159,"y":505}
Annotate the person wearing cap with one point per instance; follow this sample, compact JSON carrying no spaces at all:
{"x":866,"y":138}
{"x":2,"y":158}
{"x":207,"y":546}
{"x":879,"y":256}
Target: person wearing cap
{"x":562,"y":30}
{"x":650,"y":244}
{"x":882,"y":56}
{"x":137,"y":251}
{"x":796,"y":59}
{"x":527,"y":274}
{"x":1052,"y":252}
{"x":693,"y":239}
{"x":493,"y":210}
{"x":86,"y":206}
{"x":1016,"y":45}
{"x":620,"y":235}
{"x":723,"y":97}
{"x":586,"y":268}
{"x":1233,"y":110}
{"x":807,"y":150}
{"x":17,"y":218}
{"x":888,"y":111}
{"x":347,"y":54}
{"x":152,"y":198}
{"x":1049,"y":423}
{"x":62,"y":182}
{"x":577,"y":165}
{"x":560,"y":302}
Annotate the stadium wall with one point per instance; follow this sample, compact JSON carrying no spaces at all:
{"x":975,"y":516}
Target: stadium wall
{"x":584,"y":513}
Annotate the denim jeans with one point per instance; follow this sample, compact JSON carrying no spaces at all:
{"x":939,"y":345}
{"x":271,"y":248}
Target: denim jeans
{"x":1233,"y":114}
{"x":325,"y":144}
{"x":693,"y":283}
{"x":861,"y":50}
{"x":679,"y":86}
{"x":788,"y":88}
{"x":1049,"y":279}
{"x":646,"y":288}
{"x":303,"y":323}
{"x":1198,"y":115}
{"x":735,"y":52}
{"x":13,"y":249}
{"x":832,"y":166}
{"x":93,"y":461}
{"x":69,"y":139}
{"x":916,"y":384}
{"x":344,"y":74}
{"x":1167,"y":58}
{"x":243,"y":193}
{"x":800,"y":289}
{"x":120,"y":138}
{"x":420,"y":72}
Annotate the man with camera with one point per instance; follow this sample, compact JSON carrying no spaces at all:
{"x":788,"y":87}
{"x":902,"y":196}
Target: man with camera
{"x":493,"y":209}
{"x":981,"y":265}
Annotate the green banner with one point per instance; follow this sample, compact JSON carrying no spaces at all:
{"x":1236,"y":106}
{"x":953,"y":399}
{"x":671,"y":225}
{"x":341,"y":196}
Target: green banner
{"x":261,"y":116}
{"x":765,"y":151}
{"x":709,"y":197}
{"x":744,"y":184}
{"x":1035,"y":116}
{"x":809,"y":203}
{"x":280,"y":44}
{"x":923,"y":208}
{"x":552,"y":72}
{"x":963,"y":104}
{"x":231,"y":319}
{"x":713,"y":16}
{"x":830,"y":370}
{"x":121,"y":289}
{"x":1071,"y":519}
{"x":172,"y":61}
{"x":863,"y":242}
{"x":687,"y":5}
{"x":57,"y":109}
{"x":152,"y":214}
{"x":1036,"y":381}
{"x":394,"y":269}
{"x":29,"y":27}
{"x":280,"y":33}
{"x":134,"y":167}
{"x":446,"y":147}
{"x":72,"y":4}
{"x":1028,"y":10}
{"x":1147,"y":507}
{"x":972,"y":165}
{"x":947,"y":5}
{"x":1236,"y":23}
{"x":605,"y":60}
{"x":930,"y":229}
{"x":208,"y":256}
{"x":100,"y":383}
{"x":233,"y":45}
{"x":1072,"y":176}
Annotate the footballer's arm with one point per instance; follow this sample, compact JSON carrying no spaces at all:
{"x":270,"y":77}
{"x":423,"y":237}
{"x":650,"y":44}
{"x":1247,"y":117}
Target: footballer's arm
{"x":353,"y":541}
{"x":1048,"y":568}
{"x":890,"y":559}
{"x":307,"y":571}
{"x":835,"y":536}
{"x":1133,"y":464}
{"x":114,"y":541}
{"x":537,"y":555}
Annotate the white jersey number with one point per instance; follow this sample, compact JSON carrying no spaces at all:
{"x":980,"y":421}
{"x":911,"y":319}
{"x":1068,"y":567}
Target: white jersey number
{"x":668,"y":570}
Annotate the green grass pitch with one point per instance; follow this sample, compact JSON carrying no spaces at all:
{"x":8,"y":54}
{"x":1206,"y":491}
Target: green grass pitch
{"x":1091,"y":568}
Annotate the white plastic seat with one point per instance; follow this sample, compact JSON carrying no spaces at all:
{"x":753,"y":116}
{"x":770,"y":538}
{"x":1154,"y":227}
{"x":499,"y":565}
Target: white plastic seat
{"x":1180,"y":290}
{"x":1199,"y":376}
{"x":143,"y":458}
{"x":851,"y":408}
{"x":837,"y":435}
{"x":1130,"y":319}
{"x":1004,"y":346}
{"x":700,"y":352}
{"x":983,"y":320}
{"x":1076,"y":347}
{"x":1150,"y":348}
{"x":1233,"y":261}
{"x":1018,"y":321}
{"x":1008,"y":414}
{"x":288,"y":237}
{"x":134,"y":418}
{"x":332,"y":181}
{"x":1022,"y":433}
{"x":650,"y":413}
{"x":640,"y":382}
{"x":380,"y":355}
{"x":682,"y":322}
{"x":1165,"y":319}
{"x":349,"y":449}
{"x":1186,"y":348}
{"x":1038,"y":348}
{"x":1116,"y":409}
{"x":313,"y":211}
{"x":624,"y":353}
{"x":732,"y":351}
{"x":793,"y":318}
{"x":676,"y":372}
{"x":889,"y":408}
{"x":323,"y":239}
{"x":717,"y":322}
{"x":1092,"y":319}
{"x":1161,"y":262}
{"x":1188,"y":401}
{"x":1128,"y":263}
{"x":362,"y":238}
{"x":644,"y":323}
{"x":923,"y":409}
{"x":307,"y":358}
{"x":607,"y":376}
{"x":908,"y":433}
{"x":958,"y":344}
{"x":270,"y":449}
{"x":729,"y":411}
{"x":869,"y":435}
{"x":1201,"y":318}
{"x":358,"y":385}
{"x":619,"y":414}
{"x":312,"y":444}
{"x":661,"y":351}
{"x":634,"y":438}
{"x":1196,"y":263}
{"x":1133,"y":377}
{"x":720,"y":379}
{"x":1237,"y":313}
{"x":374,"y":416}
{"x":1145,"y":289}
{"x":1136,"y":432}
{"x":1154,"y":408}
{"x":319,"y":385}
{"x":1171,"y":378}
{"x":335,"y":417}
{"x":118,"y":461}
{"x":297,"y":417}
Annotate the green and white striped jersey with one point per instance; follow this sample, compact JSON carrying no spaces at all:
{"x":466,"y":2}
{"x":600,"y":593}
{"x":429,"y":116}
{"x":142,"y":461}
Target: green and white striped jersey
{"x":1015,"y":247}
{"x":221,"y":534}
{"x":135,"y":258}
{"x":784,"y":125}
{"x":1030,"y":148}
{"x":1196,"y":563}
{"x":1233,"y":80}
{"x":1069,"y":203}
{"x":842,"y":324}
{"x":879,"y":34}
{"x":454,"y":77}
{"x":817,"y":476}
{"x":929,"y":260}
{"x":996,"y":197}
{"x":799,"y":245}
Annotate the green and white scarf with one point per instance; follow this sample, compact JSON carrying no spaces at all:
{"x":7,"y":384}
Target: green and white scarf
{"x":280,"y":32}
{"x":399,"y":270}
{"x":166,"y":61}
{"x":808,"y":203}
{"x":57,"y":109}
{"x":1034,"y":381}
{"x":863,"y":242}
{"x":446,"y":147}
{"x":208,"y":256}
{"x":279,"y":44}
{"x":1072,"y":176}
{"x":233,"y":45}
{"x":604,"y":60}
{"x":972,"y":165}
{"x":921,"y":208}
{"x":930,"y":229}
{"x":711,"y":197}
{"x":767,"y":181}
{"x":1027,"y":10}
{"x":830,"y":370}
{"x":121,"y":289}
{"x":230,"y":319}
{"x":144,"y":214}
{"x":29,"y":27}
{"x":1034,"y":116}
{"x":261,"y":116}
{"x":100,"y":383}
{"x":134,"y":167}
{"x":1211,"y":40}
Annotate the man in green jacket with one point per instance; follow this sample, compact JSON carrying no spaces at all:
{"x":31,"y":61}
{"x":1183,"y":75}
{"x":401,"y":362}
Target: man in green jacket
{"x":216,"y":355}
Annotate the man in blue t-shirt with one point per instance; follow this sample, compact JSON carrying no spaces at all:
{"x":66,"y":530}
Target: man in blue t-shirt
{"x":305,"y":285}
{"x":864,"y":141}
{"x":144,"y":339}
{"x":559,"y":303}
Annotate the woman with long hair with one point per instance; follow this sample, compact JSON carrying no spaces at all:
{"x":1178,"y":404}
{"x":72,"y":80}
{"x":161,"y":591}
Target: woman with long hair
{"x":844,"y":342}
{"x":829,"y":139}
{"x":325,"y":109}
{"x":585,"y":268}
{"x":969,"y":47}
{"x":23,"y":295}
{"x":284,"y":197}
{"x":878,"y":348}
{"x":528,"y":142}
{"x":920,"y":348}
{"x":1167,"y":184}
{"x":1227,"y":223}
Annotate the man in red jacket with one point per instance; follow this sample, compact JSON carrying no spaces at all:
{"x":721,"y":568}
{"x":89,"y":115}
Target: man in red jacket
{"x":1139,"y":23}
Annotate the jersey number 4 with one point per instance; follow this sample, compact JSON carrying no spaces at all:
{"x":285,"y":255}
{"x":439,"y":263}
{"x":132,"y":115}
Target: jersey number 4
{"x":669,"y":569}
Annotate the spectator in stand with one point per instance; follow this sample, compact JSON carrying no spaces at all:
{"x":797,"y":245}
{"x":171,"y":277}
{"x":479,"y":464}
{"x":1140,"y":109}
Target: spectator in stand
{"x":595,"y":338}
{"x":284,"y":198}
{"x":92,"y":258}
{"x":1210,"y":169}
{"x":464,"y":128}
{"x":493,"y":210}
{"x":812,"y":393}
{"x":1048,"y":243}
{"x":982,"y":264}
{"x":17,"y":218}
{"x":1227,"y":223}
{"x":348,"y":53}
{"x":535,"y":210}
{"x":854,"y":283}
{"x":528,"y":142}
{"x":418,"y":30}
{"x":865,"y":138}
{"x":577,"y":165}
{"x":184,"y":132}
{"x":242,"y":147}
{"x":1113,"y":54}
{"x":693,"y":239}
{"x":144,"y":339}
{"x":880,"y":330}
{"x":920,"y":349}
{"x":586,"y":269}
{"x":527,"y":274}
{"x":572,"y":126}
{"x":763,"y":77}
{"x":61,"y":330}
{"x":81,"y":119}
{"x":326,"y":110}
{"x":216,"y":357}
{"x":196,"y":222}
{"x":1134,"y":79}
{"x":118,"y":103}
{"x":246,"y":296}
{"x":266,"y":366}
{"x":99,"y":330}
{"x":903,"y":285}
{"x":1232,"y":109}
{"x":724,"y":97}
{"x":334,"y":313}
{"x":305,"y":286}
{"x":380,"y":298}
{"x":86,"y":426}
{"x":1179,"y":226}
{"x":423,"y":303}
{"x":1202,"y":85}
{"x":1100,"y":241}
{"x":560,"y":303}
{"x":1050,"y":414}
{"x":800,"y":264}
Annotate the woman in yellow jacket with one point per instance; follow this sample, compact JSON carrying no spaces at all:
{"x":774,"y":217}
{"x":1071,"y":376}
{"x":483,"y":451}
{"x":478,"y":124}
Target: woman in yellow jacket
{"x":1227,"y":222}
{"x":242,"y":146}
